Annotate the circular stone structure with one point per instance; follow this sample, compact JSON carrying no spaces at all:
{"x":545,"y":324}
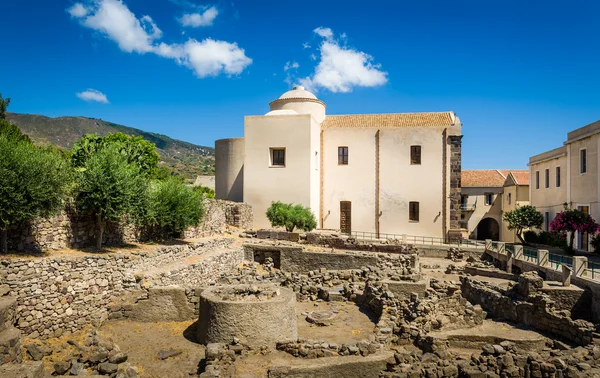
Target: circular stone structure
{"x":258,"y":315}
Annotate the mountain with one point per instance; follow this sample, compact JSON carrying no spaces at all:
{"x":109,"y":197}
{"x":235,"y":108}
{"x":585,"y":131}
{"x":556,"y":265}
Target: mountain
{"x":187,"y":159}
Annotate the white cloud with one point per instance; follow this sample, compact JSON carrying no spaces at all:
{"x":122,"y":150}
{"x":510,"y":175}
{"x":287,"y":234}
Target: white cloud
{"x":78,"y":10}
{"x":290,"y":65}
{"x":341,"y":68}
{"x":209,"y":57}
{"x":92,"y":95}
{"x":306,"y":45}
{"x":195,"y":20}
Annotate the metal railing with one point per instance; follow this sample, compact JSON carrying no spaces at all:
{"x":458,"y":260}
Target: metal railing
{"x":530,"y":254}
{"x":509,"y":248}
{"x":420,"y":240}
{"x":495,"y":246}
{"x":593,"y":270}
{"x":465,"y":207}
{"x":557,"y":260}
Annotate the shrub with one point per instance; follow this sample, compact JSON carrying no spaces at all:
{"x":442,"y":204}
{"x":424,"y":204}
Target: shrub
{"x":291,"y":216}
{"x":205,"y":190}
{"x":173,"y":207}
{"x":530,"y":236}
{"x":572,"y":220}
{"x":544,"y":237}
{"x":595,"y":242}
{"x":34,"y":182}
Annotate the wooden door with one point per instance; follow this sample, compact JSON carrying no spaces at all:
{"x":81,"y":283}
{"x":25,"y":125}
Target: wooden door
{"x":346,"y":217}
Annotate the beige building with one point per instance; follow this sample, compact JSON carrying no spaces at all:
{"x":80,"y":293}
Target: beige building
{"x":568,"y":177}
{"x":485,"y":196}
{"x":374,"y":173}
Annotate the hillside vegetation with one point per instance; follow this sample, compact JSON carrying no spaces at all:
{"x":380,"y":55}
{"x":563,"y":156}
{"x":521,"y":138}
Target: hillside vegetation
{"x":187,"y":159}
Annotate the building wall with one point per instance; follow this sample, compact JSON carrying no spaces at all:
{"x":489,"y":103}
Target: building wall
{"x":519,"y":196}
{"x":477,"y":196}
{"x":295,"y":182}
{"x":549,"y":200}
{"x":229,"y":169}
{"x":584,"y":186}
{"x":399,"y":181}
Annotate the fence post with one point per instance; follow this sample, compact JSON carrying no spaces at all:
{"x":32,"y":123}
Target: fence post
{"x":579,"y":265}
{"x":488,"y":244}
{"x":501,"y":247}
{"x":543,"y":257}
{"x":518,"y":251}
{"x":403,"y":238}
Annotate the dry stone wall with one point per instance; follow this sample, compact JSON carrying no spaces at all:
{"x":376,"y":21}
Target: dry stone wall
{"x":57,"y":295}
{"x":68,"y":230}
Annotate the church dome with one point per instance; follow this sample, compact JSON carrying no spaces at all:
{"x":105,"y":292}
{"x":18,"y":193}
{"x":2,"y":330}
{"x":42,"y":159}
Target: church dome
{"x":298,"y":92}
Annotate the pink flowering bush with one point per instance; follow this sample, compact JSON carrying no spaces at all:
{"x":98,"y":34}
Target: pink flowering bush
{"x":572,"y":221}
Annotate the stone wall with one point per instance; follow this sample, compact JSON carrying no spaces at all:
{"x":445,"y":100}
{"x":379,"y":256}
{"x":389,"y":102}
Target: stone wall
{"x":57,"y":295}
{"x":68,"y":230}
{"x":536,"y":312}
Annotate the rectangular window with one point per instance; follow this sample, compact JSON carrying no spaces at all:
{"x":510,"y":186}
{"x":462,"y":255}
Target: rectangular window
{"x":413,"y":211}
{"x":547,"y":221}
{"x":509,"y":198}
{"x":489,"y":198}
{"x":342,"y":155}
{"x":583,"y":161}
{"x":278,"y":157}
{"x":558,"y":177}
{"x":537,"y":179}
{"x":415,"y":155}
{"x":547,"y":177}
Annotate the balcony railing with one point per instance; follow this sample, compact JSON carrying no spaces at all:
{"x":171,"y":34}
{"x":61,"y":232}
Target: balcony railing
{"x":468,"y":207}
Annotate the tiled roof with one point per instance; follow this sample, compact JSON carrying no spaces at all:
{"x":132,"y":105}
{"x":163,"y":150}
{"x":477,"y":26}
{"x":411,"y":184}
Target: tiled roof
{"x":521,"y":177}
{"x":492,"y":177}
{"x":389,"y":120}
{"x":482,"y":178}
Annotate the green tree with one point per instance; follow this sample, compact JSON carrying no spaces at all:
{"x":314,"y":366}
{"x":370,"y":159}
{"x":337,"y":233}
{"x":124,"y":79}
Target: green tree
{"x":4,"y":102}
{"x":173,"y":207}
{"x":34,"y":182}
{"x":134,"y":149}
{"x":108,"y":188}
{"x":12,"y":131}
{"x":205,"y":190}
{"x":523,"y":217}
{"x":291,"y":216}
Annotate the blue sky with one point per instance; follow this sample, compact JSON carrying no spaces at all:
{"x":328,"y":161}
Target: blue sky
{"x":519,"y":74}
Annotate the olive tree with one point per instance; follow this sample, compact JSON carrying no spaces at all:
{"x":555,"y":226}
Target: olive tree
{"x":291,"y":216}
{"x":172,"y":207}
{"x":108,"y":187}
{"x":34,"y":181}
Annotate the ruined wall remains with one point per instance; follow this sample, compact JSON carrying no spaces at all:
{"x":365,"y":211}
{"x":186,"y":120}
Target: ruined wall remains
{"x":69,"y":230}
{"x":537,"y":312}
{"x":57,"y":295}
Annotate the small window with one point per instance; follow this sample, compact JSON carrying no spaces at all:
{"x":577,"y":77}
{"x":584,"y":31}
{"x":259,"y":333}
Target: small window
{"x":278,"y":157}
{"x":547,"y":178}
{"x":583,"y":161}
{"x":489,"y":198}
{"x":413,"y":211}
{"x":547,"y":221}
{"x":415,"y":155}
{"x":558,"y":177}
{"x":509,"y":198}
{"x":342,"y":155}
{"x":537,"y":179}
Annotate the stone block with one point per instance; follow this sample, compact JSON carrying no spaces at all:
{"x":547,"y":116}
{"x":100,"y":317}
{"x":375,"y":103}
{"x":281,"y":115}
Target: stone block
{"x":24,"y":370}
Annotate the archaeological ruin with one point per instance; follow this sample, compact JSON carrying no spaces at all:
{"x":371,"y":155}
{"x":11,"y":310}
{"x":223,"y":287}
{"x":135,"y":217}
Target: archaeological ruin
{"x":276,"y":304}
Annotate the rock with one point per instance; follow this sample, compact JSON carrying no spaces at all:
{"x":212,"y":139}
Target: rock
{"x":583,"y":366}
{"x":35,"y":351}
{"x":77,"y":368}
{"x":168,"y":353}
{"x":117,"y":358}
{"x":107,"y":368}
{"x":488,"y":349}
{"x":62,"y":367}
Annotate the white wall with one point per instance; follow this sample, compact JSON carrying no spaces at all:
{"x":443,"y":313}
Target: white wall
{"x":294,"y":183}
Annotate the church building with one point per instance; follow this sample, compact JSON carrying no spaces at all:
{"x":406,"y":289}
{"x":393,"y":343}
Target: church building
{"x":369,"y":173}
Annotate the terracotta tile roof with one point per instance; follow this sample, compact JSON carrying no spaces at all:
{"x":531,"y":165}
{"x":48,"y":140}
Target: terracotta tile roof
{"x":482,"y":178}
{"x":492,"y":177}
{"x":521,"y":177}
{"x":390,"y":120}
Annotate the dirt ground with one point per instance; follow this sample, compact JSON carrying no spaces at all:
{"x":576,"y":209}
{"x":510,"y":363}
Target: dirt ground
{"x":349,"y":326}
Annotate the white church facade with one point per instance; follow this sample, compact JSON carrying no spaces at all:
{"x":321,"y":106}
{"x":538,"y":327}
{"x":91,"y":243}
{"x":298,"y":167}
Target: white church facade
{"x":373,"y":173}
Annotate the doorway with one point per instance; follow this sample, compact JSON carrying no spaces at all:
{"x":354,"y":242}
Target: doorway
{"x":583,"y":237}
{"x":488,"y":228}
{"x":346,"y":217}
